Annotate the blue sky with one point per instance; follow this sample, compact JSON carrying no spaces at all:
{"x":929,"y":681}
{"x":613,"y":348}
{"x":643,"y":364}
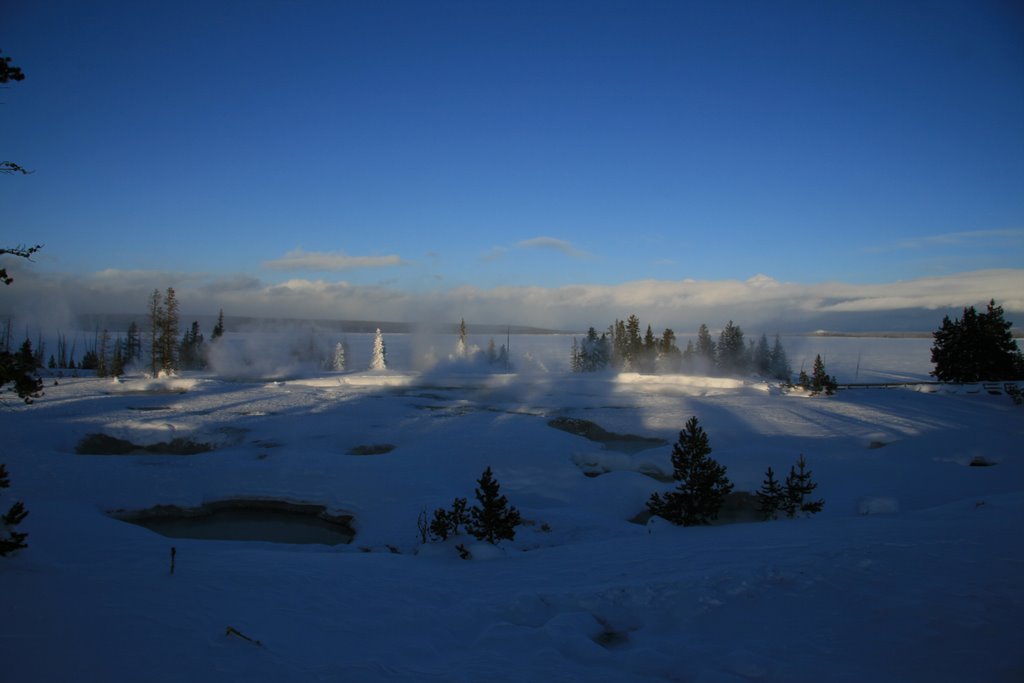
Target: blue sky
{"x":459,"y":150}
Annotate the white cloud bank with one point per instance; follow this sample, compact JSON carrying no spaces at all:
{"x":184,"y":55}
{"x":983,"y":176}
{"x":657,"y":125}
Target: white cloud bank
{"x":758,"y":304}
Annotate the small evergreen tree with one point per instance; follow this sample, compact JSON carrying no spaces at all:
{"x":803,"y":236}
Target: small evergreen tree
{"x":117,"y":360}
{"x":446,"y":523}
{"x":11,"y":539}
{"x":460,"y":345}
{"x":820,"y":380}
{"x":493,"y":519}
{"x":218,"y":329}
{"x":704,"y":350}
{"x":731,"y":353}
{"x":779,"y":364}
{"x":338,"y":361}
{"x":132,"y":344}
{"x":703,"y":484}
{"x":761,"y":357}
{"x":771,"y":497}
{"x":669,"y":357}
{"x":379,"y":360}
{"x":798,"y":487}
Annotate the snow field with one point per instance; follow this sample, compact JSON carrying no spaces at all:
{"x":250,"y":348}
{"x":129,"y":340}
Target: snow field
{"x":911,"y":572}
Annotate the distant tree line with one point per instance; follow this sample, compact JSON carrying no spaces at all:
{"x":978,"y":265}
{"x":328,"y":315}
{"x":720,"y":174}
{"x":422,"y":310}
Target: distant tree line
{"x":622,"y":348}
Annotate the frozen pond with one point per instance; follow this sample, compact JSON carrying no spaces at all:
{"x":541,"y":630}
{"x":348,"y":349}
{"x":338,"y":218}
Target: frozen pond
{"x":247,"y":523}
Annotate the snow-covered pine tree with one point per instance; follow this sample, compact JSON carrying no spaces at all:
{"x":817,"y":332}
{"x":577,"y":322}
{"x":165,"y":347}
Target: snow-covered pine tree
{"x":338,"y":361}
{"x":10,"y":539}
{"x":574,"y":357}
{"x":379,"y":360}
{"x":702,"y":487}
{"x":493,"y":519}
{"x":771,"y":496}
{"x":798,"y":487}
{"x":460,"y":345}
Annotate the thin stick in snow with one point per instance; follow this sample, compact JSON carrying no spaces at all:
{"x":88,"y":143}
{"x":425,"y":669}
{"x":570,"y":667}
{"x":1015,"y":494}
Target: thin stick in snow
{"x":232,"y":631}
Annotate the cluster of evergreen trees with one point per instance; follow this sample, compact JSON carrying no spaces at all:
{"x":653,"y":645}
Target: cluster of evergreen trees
{"x":703,"y":485}
{"x":976,"y":347}
{"x":819,"y":380}
{"x":791,"y":498}
{"x":491,"y":519}
{"x":622,"y":348}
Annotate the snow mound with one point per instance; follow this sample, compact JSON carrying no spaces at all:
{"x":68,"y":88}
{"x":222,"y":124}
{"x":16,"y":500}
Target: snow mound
{"x":882,"y":505}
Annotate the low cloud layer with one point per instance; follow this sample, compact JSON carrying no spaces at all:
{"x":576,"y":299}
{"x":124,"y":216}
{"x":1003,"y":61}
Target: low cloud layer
{"x":760,"y":303}
{"x":298,"y":259}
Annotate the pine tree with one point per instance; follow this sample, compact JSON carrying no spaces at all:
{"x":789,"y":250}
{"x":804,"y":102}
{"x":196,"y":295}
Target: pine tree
{"x":379,"y":360}
{"x":574,"y":357}
{"x":460,"y":345}
{"x":168,"y":340}
{"x":731,"y":354}
{"x":102,"y":354}
{"x":132,"y":344}
{"x":493,"y":519}
{"x":218,"y":329}
{"x":779,"y":364}
{"x":446,"y":523}
{"x":820,"y":380}
{"x":703,"y":484}
{"x":338,"y":361}
{"x":11,"y":539}
{"x":704,"y":350}
{"x":156,"y":321}
{"x":761,"y":358}
{"x":798,"y":487}
{"x":117,"y":360}
{"x":771,"y":497}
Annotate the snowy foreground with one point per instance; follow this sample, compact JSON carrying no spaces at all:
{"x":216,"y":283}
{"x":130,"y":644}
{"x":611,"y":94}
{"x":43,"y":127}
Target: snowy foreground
{"x":911,"y":573}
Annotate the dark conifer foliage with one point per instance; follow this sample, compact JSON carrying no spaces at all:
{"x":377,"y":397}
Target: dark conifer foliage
{"x":191,"y":351}
{"x":771,"y":497}
{"x":493,"y":519}
{"x":821,"y":380}
{"x":731,"y":353}
{"x":11,"y":539}
{"x":703,"y":484}
{"x":218,"y":329}
{"x":976,"y":347}
{"x":799,"y":487}
{"x":779,"y":363}
{"x":447,"y":523}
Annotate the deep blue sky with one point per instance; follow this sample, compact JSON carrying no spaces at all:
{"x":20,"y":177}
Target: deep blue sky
{"x":542,"y":144}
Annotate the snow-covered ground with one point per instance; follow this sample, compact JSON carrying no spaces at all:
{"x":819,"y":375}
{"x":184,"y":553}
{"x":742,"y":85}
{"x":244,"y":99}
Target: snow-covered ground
{"x":911,"y":572}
